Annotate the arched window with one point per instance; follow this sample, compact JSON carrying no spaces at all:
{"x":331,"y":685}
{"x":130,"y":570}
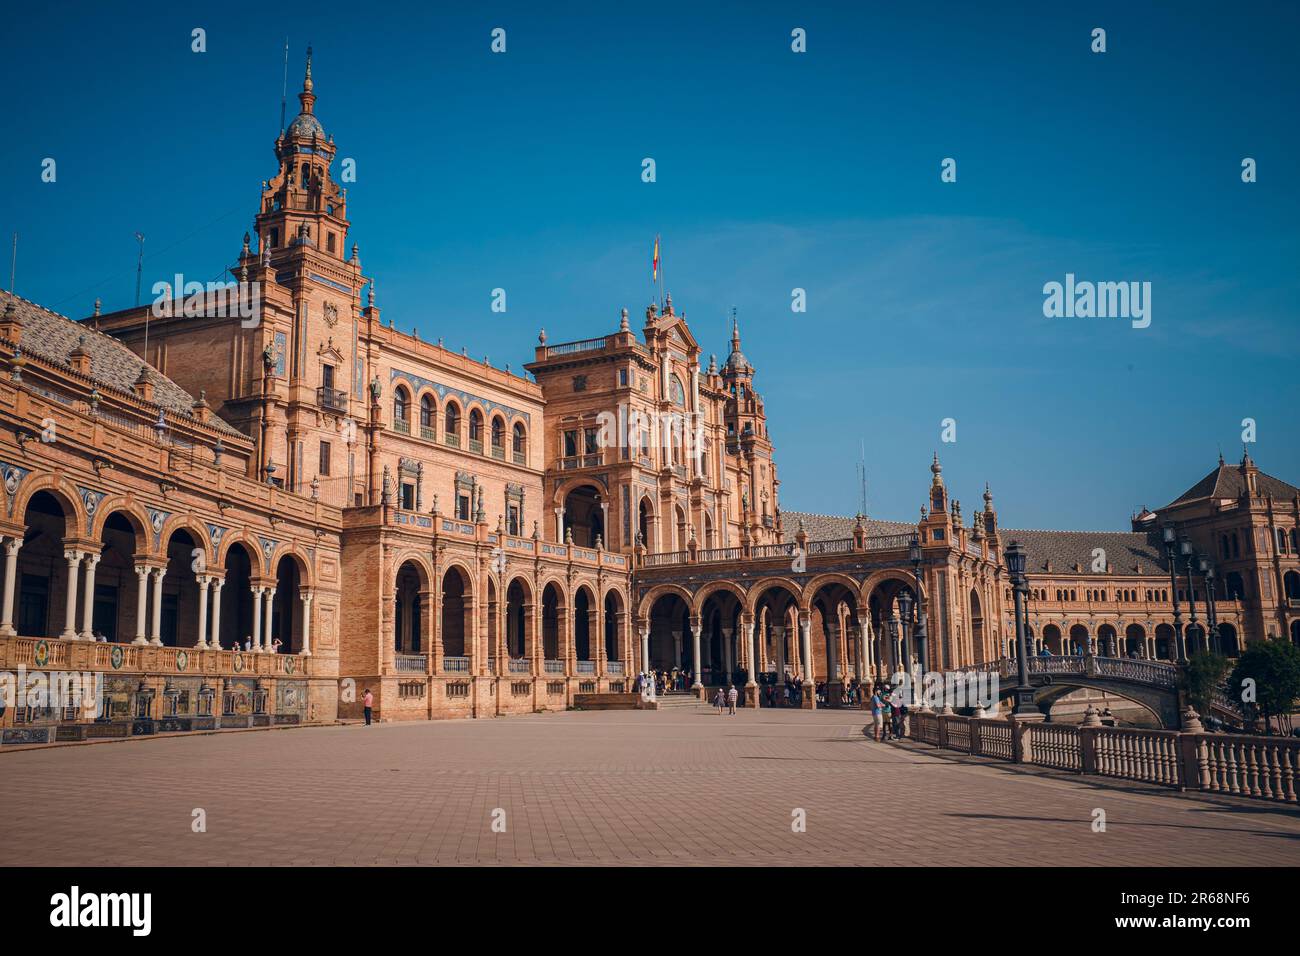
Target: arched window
{"x":401,"y":405}
{"x":498,"y":438}
{"x":520,"y":445}
{"x":475,"y":430}
{"x":428,"y":416}
{"x":451,"y":424}
{"x":1281,"y":541}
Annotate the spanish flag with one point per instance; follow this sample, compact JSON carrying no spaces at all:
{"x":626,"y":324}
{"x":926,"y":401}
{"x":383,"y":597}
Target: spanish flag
{"x":654,"y":264}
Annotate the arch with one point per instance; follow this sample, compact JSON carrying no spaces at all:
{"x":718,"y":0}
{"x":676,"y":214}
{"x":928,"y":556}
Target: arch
{"x":475,"y":424}
{"x":1291,"y":585}
{"x":287,"y":605}
{"x":428,"y":414}
{"x":117,"y":613}
{"x":1165,"y":641}
{"x":553,"y":606}
{"x":584,"y":611}
{"x":250,"y":544}
{"x":401,"y":405}
{"x":519,"y":443}
{"x":851,"y":585}
{"x":668,"y":617}
{"x":1135,"y":641}
{"x":1229,"y":644}
{"x":651,"y":597}
{"x":615,"y":609}
{"x":646,"y":524}
{"x":1052,"y":639}
{"x":134,"y":513}
{"x":239,"y":562}
{"x":456,"y":629}
{"x":451,"y":421}
{"x":759,"y":589}
{"x":189,"y":524}
{"x":1080,"y":639}
{"x":61,"y":490}
{"x":497,"y":432}
{"x":42,"y":572}
{"x":716,"y":587}
{"x":519,"y":620}
{"x":410,"y":584}
{"x":1108,"y":641}
{"x":892,"y":574}
{"x":584,"y":514}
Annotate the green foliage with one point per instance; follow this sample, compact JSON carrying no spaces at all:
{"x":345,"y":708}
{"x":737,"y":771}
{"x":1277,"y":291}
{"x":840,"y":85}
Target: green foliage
{"x":1274,"y":666}
{"x":1202,"y":676}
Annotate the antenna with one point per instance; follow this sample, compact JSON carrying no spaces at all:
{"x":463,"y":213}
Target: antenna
{"x":284,"y":89}
{"x":862,"y":476}
{"x":13,"y":264}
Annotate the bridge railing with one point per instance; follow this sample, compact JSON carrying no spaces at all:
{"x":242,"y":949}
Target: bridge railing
{"x":1265,"y":768}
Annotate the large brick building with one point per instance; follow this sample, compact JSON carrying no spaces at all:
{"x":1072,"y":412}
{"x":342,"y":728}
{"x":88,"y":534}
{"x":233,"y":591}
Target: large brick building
{"x":265,"y":512}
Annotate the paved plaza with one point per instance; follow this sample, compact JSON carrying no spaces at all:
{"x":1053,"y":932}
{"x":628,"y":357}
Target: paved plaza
{"x":675,"y":787}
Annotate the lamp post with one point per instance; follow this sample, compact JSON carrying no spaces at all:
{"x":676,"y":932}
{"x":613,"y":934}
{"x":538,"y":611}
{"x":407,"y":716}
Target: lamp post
{"x":1015,"y":558}
{"x":914,"y":552}
{"x":1189,"y":555}
{"x":896,"y":641}
{"x":905,"y":621}
{"x":1211,"y":613}
{"x":1171,"y":552}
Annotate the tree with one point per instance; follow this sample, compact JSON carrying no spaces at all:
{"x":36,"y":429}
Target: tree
{"x":1274,"y":668}
{"x":1202,"y":676}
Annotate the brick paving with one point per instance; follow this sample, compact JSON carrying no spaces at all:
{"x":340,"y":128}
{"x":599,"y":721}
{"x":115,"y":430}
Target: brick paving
{"x":676,"y":787}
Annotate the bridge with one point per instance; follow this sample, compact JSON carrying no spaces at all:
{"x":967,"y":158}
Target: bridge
{"x":1151,"y":684}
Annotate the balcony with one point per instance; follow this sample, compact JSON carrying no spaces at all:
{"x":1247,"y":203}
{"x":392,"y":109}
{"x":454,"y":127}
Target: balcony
{"x":521,"y":458}
{"x":409,"y":663}
{"x":571,"y":462}
{"x":456,"y":665}
{"x":498,"y":453}
{"x":519,"y":665}
{"x":402,"y":425}
{"x":452,"y":439}
{"x":476,"y":445}
{"x":586,"y":667}
{"x":553,"y":667}
{"x":427,"y":433}
{"x":332,"y":399}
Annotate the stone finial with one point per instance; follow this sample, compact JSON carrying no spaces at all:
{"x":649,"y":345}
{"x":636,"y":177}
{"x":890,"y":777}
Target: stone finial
{"x":622,"y":325}
{"x":541,"y":336}
{"x":536,"y":534}
{"x":315,"y":488}
{"x":244,"y":251}
{"x":568,"y":536}
{"x":600,"y":542}
{"x":99,"y":306}
{"x":1091,"y":717}
{"x":370,"y":295}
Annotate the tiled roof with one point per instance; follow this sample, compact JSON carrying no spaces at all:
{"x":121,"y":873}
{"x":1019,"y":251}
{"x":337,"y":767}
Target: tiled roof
{"x":1125,"y":550}
{"x":1227,"y":481}
{"x":829,"y":527}
{"x":52,"y":337}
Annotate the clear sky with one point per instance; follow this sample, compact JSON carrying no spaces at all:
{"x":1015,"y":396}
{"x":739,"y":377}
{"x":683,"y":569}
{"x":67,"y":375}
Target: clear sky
{"x":775,"y":170}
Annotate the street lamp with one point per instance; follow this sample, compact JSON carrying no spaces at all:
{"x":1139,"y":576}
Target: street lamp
{"x":896,"y":641}
{"x":905,"y":619}
{"x":1211,"y":612}
{"x":1015,"y":558}
{"x":1189,"y":555}
{"x":914,"y":552}
{"x":1171,"y":552}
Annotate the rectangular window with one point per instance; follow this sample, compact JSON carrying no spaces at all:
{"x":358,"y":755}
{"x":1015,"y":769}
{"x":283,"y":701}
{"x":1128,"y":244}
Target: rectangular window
{"x":327,"y":376}
{"x":570,"y":444}
{"x":622,"y":376}
{"x":324,"y":458}
{"x":462,"y":507}
{"x":329,"y":242}
{"x":408,"y":496}
{"x":512,"y":525}
{"x":590,"y":441}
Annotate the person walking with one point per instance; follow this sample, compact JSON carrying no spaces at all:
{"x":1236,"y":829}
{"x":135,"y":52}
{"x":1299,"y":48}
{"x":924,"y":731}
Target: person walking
{"x":720,"y":700}
{"x":369,"y":702}
{"x":732,"y":696}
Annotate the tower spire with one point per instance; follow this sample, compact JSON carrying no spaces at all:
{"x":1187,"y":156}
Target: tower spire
{"x":307,"y":97}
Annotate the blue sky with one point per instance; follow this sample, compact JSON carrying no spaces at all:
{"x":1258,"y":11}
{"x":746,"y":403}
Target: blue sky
{"x":775,"y":170}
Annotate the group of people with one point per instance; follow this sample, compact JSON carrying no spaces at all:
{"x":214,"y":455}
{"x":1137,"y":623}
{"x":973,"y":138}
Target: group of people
{"x":888,"y":713}
{"x":664,"y":681}
{"x":725,"y":701}
{"x":788,"y":694}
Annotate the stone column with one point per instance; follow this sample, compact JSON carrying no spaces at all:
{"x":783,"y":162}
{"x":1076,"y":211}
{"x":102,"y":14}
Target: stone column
{"x":677,"y":648}
{"x":832,"y":652}
{"x":215,"y":642}
{"x":778,"y":635}
{"x":88,"y":610}
{"x":754,"y":662}
{"x":70,"y":604}
{"x":155,"y":631}
{"x":307,"y":595}
{"x":269,"y":621}
{"x":695,"y":629}
{"x":141,"y":605}
{"x":805,"y":634}
{"x":257,"y":618}
{"x":11,"y":576}
{"x":645,"y":648}
{"x":204,"y":583}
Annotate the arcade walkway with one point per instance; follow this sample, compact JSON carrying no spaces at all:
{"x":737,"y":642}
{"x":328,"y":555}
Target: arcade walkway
{"x":679,"y":787}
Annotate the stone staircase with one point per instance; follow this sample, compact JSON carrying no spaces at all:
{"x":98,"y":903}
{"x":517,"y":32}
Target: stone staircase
{"x":678,"y":700}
